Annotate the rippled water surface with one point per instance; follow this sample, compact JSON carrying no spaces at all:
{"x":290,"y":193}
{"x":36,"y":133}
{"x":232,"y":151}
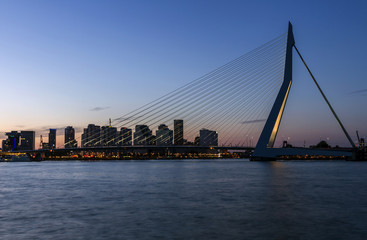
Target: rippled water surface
{"x":192,"y":199}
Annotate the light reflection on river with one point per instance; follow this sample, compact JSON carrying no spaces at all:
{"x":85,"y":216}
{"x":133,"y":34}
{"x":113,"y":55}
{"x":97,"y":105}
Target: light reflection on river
{"x":190,"y":199}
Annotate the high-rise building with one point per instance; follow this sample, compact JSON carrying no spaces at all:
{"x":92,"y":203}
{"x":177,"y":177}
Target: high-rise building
{"x":143,"y":135}
{"x":12,"y":143}
{"x":27,"y":140}
{"x":52,"y":139}
{"x":164,"y":136}
{"x":70,"y":141}
{"x":108,"y":136}
{"x":208,"y":138}
{"x":84,"y":138}
{"x":91,"y":136}
{"x":125,"y":137}
{"x":178,"y":132}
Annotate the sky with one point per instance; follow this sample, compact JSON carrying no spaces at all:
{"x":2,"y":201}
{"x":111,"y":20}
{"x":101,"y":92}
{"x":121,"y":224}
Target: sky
{"x":71,"y":63}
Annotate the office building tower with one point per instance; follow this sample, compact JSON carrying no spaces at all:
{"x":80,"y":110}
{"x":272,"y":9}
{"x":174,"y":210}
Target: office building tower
{"x":208,"y":138}
{"x":70,"y":141}
{"x":12,"y":143}
{"x":94,"y":135}
{"x":126,"y":137}
{"x":91,"y":136}
{"x":178,"y":132}
{"x":108,"y":136}
{"x":164,"y":136}
{"x":52,"y":139}
{"x":143,"y":135}
{"x":28,"y":140}
{"x":84,"y":138}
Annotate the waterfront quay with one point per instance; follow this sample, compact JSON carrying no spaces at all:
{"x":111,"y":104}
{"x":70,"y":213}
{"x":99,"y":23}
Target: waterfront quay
{"x":137,"y":153}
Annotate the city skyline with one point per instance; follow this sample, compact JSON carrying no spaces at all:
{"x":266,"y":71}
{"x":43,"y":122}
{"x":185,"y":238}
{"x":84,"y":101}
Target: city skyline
{"x":97,"y":136}
{"x":74,"y":69}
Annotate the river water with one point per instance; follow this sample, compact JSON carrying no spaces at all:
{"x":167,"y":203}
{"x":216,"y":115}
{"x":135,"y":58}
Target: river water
{"x":190,"y":199}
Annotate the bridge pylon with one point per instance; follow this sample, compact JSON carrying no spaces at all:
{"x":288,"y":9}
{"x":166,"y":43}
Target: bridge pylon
{"x":265,"y":150}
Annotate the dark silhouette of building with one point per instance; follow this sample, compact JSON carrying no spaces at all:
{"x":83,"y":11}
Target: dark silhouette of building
{"x":45,"y":145}
{"x":164,"y":136}
{"x":91,"y":136}
{"x":126,"y":137}
{"x":84,"y":138}
{"x":143,"y":135}
{"x":197,"y":140}
{"x":153,"y":140}
{"x":28,"y":140}
{"x":178,"y":132}
{"x":70,"y":141}
{"x":52,"y":139}
{"x":321,"y":144}
{"x":12,"y":143}
{"x":108,"y":136}
{"x":208,"y":138}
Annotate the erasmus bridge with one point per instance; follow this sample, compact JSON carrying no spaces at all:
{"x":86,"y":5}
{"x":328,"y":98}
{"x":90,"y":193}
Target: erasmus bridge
{"x":242,"y":101}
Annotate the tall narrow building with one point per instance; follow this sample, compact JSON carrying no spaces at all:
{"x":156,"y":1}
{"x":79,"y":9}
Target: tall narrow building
{"x":126,"y":137}
{"x":84,"y":138}
{"x":52,"y":139}
{"x":70,"y":141}
{"x":178,"y":136}
{"x":108,"y":136}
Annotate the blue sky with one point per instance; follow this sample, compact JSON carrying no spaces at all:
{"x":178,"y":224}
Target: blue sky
{"x":78,"y":62}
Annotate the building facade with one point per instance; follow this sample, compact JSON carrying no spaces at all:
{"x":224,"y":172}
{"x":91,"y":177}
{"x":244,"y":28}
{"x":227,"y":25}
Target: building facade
{"x":12,"y":143}
{"x":208,"y":138}
{"x":91,"y":136}
{"x":52,"y":139}
{"x":178,"y":132}
{"x":70,"y":141}
{"x":108,"y":136}
{"x":28,"y":140}
{"x":164,"y":136}
{"x":143,"y":135}
{"x":126,"y":136}
{"x":24,"y":140}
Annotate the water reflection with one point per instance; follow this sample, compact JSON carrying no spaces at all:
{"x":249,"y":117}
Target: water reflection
{"x":228,"y":199}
